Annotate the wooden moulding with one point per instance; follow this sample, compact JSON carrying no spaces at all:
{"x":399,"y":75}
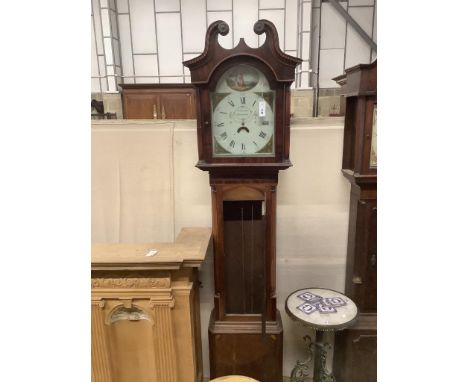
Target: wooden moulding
{"x":203,"y":66}
{"x":359,"y":80}
{"x":188,"y":250}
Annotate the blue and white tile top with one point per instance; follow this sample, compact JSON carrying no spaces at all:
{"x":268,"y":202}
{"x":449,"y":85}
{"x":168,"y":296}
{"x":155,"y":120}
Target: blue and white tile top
{"x":322,"y":308}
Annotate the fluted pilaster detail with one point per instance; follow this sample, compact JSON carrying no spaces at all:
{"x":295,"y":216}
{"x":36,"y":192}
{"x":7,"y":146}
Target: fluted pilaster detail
{"x":100,"y":366}
{"x":164,"y":339}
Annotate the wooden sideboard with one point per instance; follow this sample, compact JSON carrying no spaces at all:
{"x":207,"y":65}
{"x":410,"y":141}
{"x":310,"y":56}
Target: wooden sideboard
{"x":158,"y":101}
{"x":145,"y":310}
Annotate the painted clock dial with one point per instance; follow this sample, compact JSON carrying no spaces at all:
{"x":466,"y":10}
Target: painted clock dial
{"x":242,"y":114}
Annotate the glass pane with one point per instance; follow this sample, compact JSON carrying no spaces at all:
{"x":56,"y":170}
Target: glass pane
{"x":245,"y":17}
{"x":169,"y":44}
{"x":104,"y":84}
{"x":331,"y":65}
{"x":171,"y":80}
{"x":113,"y":18}
{"x":142,"y":23}
{"x":122,"y":6}
{"x":333,"y":28}
{"x":97,"y":26}
{"x":94,"y":59}
{"x":111,"y":84}
{"x":105,"y":23}
{"x":146,"y":65}
{"x":277,"y":18}
{"x":108,"y":50}
{"x":224,"y":41}
{"x":166,"y":5}
{"x":215,"y":5}
{"x":291,"y":24}
{"x":357,"y":50}
{"x":102,"y":66}
{"x":95,"y":88}
{"x":116,"y":50}
{"x":271,"y":3}
{"x":193,"y":25}
{"x":146,"y":80}
{"x":125,"y":44}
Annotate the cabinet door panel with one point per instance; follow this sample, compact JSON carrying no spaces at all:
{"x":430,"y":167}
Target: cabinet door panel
{"x":141,"y":106}
{"x":177,"y":106}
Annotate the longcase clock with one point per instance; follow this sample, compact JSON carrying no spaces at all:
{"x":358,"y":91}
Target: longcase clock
{"x":356,"y":348}
{"x":243,"y":141}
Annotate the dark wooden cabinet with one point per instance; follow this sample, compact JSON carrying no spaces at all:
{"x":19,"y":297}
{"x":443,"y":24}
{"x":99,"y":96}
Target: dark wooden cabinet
{"x":244,"y":94}
{"x":361,"y":266}
{"x":355,"y":357}
{"x":158,"y":101}
{"x":356,"y":351}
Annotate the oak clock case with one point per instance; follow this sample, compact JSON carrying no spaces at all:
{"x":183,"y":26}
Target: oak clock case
{"x":243,"y":141}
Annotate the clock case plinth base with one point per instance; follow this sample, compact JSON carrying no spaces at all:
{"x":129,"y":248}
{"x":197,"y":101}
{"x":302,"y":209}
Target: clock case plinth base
{"x":240,"y":348}
{"x":355,"y":356}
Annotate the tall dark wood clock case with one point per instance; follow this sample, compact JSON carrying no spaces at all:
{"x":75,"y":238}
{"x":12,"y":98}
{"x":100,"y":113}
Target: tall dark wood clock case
{"x":356,"y":349}
{"x":243,"y":101}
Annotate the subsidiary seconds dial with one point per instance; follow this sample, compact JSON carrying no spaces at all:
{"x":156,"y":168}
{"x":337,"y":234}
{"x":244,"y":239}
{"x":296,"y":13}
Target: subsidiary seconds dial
{"x":243,"y":124}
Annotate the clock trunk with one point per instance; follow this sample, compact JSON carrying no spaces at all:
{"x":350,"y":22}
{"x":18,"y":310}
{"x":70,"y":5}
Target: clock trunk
{"x":244,"y":252}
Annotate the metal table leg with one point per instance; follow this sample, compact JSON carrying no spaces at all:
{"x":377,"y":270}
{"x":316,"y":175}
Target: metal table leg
{"x":318,"y":353}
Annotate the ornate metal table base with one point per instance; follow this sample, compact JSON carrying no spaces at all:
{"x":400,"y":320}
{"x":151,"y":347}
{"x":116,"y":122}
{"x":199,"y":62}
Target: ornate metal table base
{"x":317,"y":354}
{"x":321,"y":310}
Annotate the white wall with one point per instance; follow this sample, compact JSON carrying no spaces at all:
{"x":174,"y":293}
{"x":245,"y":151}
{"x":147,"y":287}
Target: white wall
{"x":151,"y":38}
{"x":145,"y":188}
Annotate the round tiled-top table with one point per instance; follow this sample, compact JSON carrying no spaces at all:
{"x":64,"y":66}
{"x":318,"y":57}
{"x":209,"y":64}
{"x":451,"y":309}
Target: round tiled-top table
{"x":322,"y":310}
